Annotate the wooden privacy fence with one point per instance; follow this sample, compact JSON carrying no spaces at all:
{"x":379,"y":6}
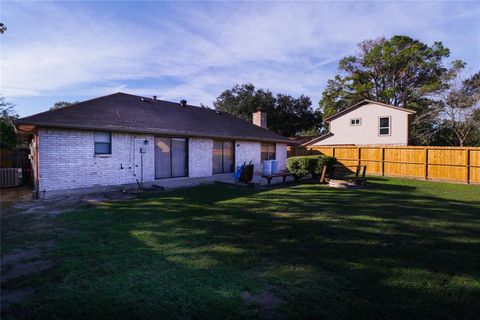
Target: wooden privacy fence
{"x":461,"y":164}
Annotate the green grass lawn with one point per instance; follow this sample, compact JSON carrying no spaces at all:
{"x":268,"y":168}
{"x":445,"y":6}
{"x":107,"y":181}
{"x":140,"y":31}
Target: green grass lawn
{"x":401,"y":249}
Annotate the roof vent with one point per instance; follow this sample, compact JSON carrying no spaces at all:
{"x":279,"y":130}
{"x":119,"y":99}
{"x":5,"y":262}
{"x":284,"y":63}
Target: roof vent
{"x":183,"y":103}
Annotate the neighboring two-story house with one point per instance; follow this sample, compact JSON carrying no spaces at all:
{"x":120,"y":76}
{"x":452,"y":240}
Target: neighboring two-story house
{"x":367,"y":123}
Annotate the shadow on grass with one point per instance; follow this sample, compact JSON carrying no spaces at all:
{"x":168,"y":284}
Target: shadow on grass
{"x":391,"y":251}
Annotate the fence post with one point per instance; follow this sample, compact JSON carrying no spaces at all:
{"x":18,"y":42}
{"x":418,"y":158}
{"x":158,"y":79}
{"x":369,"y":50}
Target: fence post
{"x":333,"y":152}
{"x":359,"y":155}
{"x":383,"y":161}
{"x":426,"y":163}
{"x":468,"y":165}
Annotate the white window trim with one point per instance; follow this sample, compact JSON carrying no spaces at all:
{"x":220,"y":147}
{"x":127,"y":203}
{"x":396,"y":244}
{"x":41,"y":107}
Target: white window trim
{"x":389,"y":126}
{"x":268,"y":153}
{"x":111,"y":144}
{"x":359,"y":121}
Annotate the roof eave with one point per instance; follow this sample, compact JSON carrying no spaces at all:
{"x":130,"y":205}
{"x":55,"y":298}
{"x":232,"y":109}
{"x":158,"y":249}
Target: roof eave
{"x":366,"y":101}
{"x":315,"y":140}
{"x":147,"y":131}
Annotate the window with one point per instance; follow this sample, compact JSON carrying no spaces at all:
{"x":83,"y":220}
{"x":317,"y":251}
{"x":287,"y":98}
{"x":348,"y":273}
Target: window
{"x":268,"y":151}
{"x":222,"y":156}
{"x":384,"y":126}
{"x":356,"y":122}
{"x":103,"y":142}
{"x":170,"y":157}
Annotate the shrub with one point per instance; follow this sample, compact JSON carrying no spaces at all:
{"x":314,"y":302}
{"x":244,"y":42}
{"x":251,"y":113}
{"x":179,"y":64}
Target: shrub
{"x":303,"y":165}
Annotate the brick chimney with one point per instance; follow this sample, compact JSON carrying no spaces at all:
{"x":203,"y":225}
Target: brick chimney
{"x":260,"y":119}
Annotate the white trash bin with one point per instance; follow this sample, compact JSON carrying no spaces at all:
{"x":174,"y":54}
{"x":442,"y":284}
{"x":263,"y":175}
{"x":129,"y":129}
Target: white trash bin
{"x":274,"y":166}
{"x":267,"y":167}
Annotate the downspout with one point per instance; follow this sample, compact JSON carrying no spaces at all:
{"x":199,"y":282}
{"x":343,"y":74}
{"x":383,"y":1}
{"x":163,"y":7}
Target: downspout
{"x":141,"y":166}
{"x":36,"y":182}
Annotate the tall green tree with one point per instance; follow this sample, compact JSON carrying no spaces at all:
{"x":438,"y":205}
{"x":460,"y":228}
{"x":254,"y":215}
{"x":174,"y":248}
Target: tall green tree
{"x":286,"y":115}
{"x":8,"y":139}
{"x":400,"y":71}
{"x":243,"y":100}
{"x":290,"y":115}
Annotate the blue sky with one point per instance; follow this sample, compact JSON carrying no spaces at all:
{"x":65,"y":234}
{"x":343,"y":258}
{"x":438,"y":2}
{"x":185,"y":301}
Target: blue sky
{"x":54,"y":51}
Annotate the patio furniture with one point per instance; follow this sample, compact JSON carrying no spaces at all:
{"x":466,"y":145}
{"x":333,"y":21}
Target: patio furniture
{"x":283,"y":174}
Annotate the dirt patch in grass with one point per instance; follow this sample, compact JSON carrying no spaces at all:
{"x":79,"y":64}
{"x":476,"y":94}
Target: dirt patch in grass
{"x":17,"y":295}
{"x":12,"y":195}
{"x":17,"y":256}
{"x":26,"y":223}
{"x":24,"y":269}
{"x":24,"y":262}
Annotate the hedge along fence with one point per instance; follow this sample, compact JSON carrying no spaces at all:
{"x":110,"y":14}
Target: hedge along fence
{"x":460,"y":164}
{"x":302,"y":165}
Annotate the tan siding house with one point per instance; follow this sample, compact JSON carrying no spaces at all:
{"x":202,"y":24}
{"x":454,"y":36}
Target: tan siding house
{"x":367,"y":123}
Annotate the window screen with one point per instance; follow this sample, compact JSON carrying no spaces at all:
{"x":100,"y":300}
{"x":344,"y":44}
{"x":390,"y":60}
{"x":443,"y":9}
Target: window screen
{"x":103,"y":142}
{"x":384,"y":126}
{"x":268,"y":151}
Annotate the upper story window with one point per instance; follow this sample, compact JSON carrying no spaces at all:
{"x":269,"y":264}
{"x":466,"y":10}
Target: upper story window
{"x":384,"y":124}
{"x":356,"y":122}
{"x":268,"y":151}
{"x":103,"y":142}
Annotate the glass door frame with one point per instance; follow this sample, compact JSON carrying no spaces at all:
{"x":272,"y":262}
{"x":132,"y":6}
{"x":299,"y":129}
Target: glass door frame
{"x":223,"y":155}
{"x":187,"y":172}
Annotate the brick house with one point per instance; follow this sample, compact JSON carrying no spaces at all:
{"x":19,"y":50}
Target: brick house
{"x":122,"y":139}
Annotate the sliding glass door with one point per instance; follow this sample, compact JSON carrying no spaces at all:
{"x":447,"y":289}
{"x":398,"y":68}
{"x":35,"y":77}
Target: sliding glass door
{"x":223,"y":159}
{"x":217,"y":157}
{"x":171,"y":157}
{"x":179,"y":157}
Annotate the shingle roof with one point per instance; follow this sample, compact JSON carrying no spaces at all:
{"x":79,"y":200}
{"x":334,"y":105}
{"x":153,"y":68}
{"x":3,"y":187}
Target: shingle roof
{"x":298,"y":140}
{"x":316,"y":139}
{"x":131,"y":113}
{"x":363,"y":102}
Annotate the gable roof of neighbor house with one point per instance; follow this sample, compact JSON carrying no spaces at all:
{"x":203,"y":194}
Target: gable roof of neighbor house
{"x":316,"y":139}
{"x":362,"y":103}
{"x":297,"y":140}
{"x":345,"y":111}
{"x":130,"y":113}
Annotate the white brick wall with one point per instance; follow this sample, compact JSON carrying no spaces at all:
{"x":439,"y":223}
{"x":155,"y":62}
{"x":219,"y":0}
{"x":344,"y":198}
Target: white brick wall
{"x":200,"y":157}
{"x":67,"y":159}
{"x":246,"y":151}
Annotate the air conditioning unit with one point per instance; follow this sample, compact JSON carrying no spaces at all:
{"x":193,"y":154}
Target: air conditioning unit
{"x":10,"y":177}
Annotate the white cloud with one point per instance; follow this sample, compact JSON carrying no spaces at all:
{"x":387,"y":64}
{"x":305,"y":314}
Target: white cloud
{"x":82,"y":49}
